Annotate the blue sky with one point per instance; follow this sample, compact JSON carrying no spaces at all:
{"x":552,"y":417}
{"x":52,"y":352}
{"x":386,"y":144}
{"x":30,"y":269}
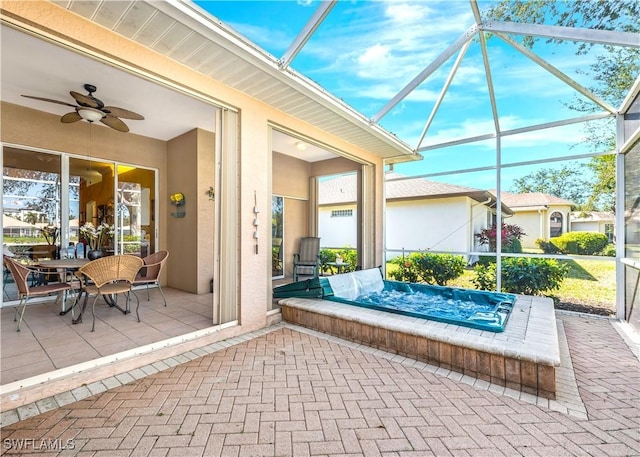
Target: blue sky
{"x":365,"y":52}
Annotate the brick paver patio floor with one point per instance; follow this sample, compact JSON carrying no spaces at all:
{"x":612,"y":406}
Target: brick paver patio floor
{"x":289,"y":393}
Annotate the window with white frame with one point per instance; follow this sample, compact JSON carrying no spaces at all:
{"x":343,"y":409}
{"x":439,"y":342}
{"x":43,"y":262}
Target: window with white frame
{"x":342,"y":213}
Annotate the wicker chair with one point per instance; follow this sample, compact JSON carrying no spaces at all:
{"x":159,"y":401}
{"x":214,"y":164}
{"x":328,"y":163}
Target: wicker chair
{"x":107,"y":277}
{"x":150,"y":272}
{"x":20,"y":275}
{"x":307,"y":261}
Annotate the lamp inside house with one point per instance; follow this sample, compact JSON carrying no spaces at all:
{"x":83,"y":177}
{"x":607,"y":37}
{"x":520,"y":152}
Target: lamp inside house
{"x":90,"y":114}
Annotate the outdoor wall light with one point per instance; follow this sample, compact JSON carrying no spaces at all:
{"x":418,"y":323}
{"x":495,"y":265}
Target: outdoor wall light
{"x":300,"y":146}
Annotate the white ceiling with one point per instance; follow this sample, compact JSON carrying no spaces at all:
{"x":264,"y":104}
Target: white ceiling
{"x":52,"y":71}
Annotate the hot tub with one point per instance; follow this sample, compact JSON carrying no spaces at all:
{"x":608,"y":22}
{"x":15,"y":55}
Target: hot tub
{"x":522,"y":357}
{"x":470,"y":308}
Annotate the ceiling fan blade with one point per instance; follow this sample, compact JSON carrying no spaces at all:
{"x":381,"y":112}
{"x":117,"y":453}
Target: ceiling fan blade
{"x":114,"y":123}
{"x":87,"y":100}
{"x":49,"y":100}
{"x":125,"y":113}
{"x":70,"y":117}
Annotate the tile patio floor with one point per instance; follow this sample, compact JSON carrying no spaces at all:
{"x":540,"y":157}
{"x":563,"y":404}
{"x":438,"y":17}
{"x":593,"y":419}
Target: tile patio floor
{"x":48,"y":341}
{"x":285,"y":391}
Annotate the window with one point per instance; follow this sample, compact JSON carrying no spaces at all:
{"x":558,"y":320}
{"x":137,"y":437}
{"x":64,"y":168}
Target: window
{"x":608,"y":230}
{"x":342,"y":213}
{"x":555,"y":227}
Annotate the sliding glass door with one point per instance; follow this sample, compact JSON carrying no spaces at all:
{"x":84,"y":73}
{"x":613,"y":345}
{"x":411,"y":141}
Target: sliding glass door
{"x":49,"y":197}
{"x":31,"y":203}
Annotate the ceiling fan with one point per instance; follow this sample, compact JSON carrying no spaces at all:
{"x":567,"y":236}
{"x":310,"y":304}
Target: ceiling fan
{"x":92,"y":109}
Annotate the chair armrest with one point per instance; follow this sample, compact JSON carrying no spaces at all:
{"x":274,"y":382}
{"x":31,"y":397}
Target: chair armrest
{"x":37,"y":270}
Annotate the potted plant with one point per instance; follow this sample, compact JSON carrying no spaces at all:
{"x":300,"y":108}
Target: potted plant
{"x":96,"y":237}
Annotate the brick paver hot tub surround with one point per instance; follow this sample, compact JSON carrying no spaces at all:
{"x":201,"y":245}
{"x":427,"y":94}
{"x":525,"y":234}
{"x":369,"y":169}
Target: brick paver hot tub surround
{"x":524,"y":357}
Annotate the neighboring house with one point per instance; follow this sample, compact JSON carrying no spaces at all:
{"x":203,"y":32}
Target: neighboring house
{"x":337,"y":211}
{"x":593,"y":221}
{"x":420,"y":214}
{"x":539,"y":215}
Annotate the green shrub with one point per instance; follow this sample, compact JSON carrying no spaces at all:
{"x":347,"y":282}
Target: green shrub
{"x":523,"y":275}
{"x":547,"y":246}
{"x":439,"y":268}
{"x":582,"y":243}
{"x":514,"y":246}
{"x":426,"y":267}
{"x":485,"y":278}
{"x":349,"y":256}
{"x":406,"y":268}
{"x":609,"y":250}
{"x":326,"y":255}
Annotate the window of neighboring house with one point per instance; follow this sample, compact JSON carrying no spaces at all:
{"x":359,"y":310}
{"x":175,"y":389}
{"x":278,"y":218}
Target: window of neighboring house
{"x":555,"y":226}
{"x":342,"y":213}
{"x":608,"y":230}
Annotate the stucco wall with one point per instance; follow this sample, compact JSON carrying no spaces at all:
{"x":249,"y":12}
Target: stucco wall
{"x":536,"y":223}
{"x":337,"y":232}
{"x":435,"y":224}
{"x":533,"y":225}
{"x":190,"y":159}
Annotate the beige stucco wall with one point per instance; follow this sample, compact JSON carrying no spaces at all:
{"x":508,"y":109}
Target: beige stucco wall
{"x":536,"y":223}
{"x":190,"y":159}
{"x":255,"y":118}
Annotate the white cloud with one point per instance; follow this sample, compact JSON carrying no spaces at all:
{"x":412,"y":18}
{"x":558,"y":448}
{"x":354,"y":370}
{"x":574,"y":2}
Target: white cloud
{"x":403,"y":12}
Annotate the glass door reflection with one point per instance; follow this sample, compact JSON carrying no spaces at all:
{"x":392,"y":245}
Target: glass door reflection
{"x":94,"y":202}
{"x":135,"y":215}
{"x":277,"y":237}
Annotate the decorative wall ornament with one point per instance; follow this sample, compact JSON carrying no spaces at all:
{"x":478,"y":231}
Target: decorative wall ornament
{"x":178,"y":201}
{"x":255,"y":220}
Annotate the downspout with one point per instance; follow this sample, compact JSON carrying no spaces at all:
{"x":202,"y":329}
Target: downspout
{"x":540,"y":223}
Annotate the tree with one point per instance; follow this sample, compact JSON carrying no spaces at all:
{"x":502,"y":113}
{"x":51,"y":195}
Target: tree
{"x":603,"y":193}
{"x":613,"y":72}
{"x":567,"y":182}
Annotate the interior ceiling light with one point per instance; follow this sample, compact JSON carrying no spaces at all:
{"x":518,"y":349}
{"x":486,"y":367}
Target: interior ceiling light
{"x":300,"y":146}
{"x":90,"y":114}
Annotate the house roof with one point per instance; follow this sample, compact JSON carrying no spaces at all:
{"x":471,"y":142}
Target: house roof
{"x":531,"y":199}
{"x":12,"y":222}
{"x":342,"y":190}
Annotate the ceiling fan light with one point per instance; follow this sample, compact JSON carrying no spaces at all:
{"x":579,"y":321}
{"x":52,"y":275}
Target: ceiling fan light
{"x":90,"y":114}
